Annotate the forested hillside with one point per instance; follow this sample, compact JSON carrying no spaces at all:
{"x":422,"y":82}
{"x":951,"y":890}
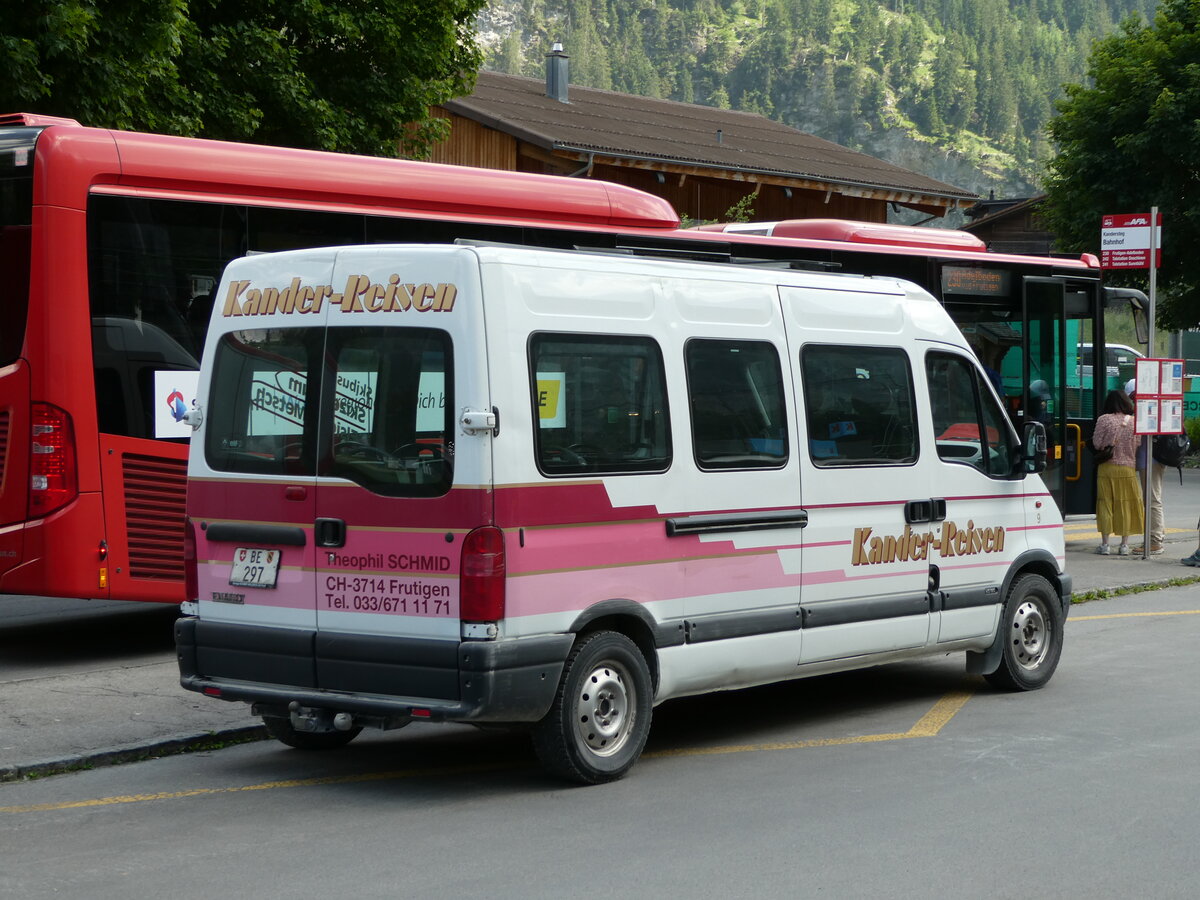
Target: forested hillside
{"x":956,"y":89}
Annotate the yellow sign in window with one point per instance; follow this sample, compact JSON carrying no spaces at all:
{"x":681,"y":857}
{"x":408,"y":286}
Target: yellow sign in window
{"x":551,"y":409}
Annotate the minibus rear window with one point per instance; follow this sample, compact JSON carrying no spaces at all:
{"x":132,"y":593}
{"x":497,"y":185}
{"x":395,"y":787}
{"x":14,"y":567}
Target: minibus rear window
{"x":392,"y":410}
{"x":371,"y":405}
{"x":262,"y":402}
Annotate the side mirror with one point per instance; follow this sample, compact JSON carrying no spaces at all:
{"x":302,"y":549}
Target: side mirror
{"x":1033,"y":449}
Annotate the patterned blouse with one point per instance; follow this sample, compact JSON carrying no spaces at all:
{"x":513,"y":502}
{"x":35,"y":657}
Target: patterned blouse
{"x":1116,"y":429}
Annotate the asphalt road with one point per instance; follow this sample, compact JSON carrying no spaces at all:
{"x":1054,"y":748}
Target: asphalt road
{"x":909,"y":780}
{"x":42,"y":635}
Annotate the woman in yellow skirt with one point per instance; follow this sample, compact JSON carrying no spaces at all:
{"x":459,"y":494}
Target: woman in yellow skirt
{"x":1118,"y":493}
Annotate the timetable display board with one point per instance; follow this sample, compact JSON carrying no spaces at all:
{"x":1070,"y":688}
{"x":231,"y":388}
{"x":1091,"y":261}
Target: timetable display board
{"x":1158,"y":396}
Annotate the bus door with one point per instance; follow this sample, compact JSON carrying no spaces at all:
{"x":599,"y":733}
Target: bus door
{"x":1059,"y":316}
{"x":1044,"y":377}
{"x":1085,"y":390}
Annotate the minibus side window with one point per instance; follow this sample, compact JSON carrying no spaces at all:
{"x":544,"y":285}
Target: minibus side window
{"x":599,"y":404}
{"x":970,"y":427}
{"x":860,"y":405}
{"x":735,"y":389}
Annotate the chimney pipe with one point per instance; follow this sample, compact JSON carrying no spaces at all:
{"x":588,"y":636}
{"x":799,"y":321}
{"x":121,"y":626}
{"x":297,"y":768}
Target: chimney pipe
{"x":556,"y":73}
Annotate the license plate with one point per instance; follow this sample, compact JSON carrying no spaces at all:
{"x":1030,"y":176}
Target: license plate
{"x":254,"y":567}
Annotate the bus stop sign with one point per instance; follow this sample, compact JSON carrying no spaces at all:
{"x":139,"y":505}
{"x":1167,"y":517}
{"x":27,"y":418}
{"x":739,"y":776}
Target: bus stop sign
{"x":1125,"y":241}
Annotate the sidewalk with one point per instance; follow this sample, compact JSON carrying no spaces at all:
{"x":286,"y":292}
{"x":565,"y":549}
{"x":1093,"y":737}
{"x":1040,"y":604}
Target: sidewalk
{"x":69,"y":713}
{"x":54,"y":723}
{"x":1092,"y":572}
{"x":90,"y":683}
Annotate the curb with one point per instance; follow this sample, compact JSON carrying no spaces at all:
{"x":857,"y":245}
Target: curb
{"x":188,"y":743}
{"x":1133,"y":587}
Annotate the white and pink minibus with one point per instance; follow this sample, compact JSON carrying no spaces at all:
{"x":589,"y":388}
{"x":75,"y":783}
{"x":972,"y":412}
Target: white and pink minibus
{"x":547,"y":488}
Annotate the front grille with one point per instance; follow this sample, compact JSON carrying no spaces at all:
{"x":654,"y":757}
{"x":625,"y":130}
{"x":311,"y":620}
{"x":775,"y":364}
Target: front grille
{"x":155,"y":490}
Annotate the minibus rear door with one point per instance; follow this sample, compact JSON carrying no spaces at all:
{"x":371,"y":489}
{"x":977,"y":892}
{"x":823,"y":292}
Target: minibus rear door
{"x":400,"y":484}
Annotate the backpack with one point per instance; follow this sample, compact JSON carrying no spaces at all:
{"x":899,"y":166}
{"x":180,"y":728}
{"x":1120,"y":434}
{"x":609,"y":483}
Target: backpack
{"x":1170,"y":449}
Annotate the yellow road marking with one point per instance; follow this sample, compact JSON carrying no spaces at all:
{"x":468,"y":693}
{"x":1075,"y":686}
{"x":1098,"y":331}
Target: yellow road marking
{"x":265,"y":786}
{"x":943,"y":711}
{"x":1087,"y":531}
{"x":1136,"y":615}
{"x":929,"y":725}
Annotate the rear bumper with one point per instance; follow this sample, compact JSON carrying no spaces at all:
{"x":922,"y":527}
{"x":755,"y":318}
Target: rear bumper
{"x":455,"y":681}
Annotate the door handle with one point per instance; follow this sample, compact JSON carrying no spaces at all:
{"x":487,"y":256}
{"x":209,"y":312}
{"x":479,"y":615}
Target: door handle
{"x":330,"y":533}
{"x":933,"y":510}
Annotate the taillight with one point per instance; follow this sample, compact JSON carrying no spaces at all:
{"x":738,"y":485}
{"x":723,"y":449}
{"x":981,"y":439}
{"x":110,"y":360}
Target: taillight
{"x":191,"y":588}
{"x":53,"y":478}
{"x":481,"y":583}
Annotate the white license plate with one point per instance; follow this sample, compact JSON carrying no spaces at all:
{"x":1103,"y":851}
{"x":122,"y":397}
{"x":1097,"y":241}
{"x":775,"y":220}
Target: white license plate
{"x":254,"y":567}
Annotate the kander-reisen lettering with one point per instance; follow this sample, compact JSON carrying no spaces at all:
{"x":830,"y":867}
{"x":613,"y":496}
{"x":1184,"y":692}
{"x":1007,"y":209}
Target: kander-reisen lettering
{"x":360,"y":295}
{"x":909,"y":546}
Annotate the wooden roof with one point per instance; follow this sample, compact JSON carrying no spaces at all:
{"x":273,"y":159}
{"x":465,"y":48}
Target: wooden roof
{"x":673,"y":136}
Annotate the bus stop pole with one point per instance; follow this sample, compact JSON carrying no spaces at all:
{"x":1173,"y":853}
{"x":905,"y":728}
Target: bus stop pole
{"x":1148,"y":440}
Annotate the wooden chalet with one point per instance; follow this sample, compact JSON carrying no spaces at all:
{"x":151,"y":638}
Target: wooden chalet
{"x":701,"y":159}
{"x":1010,"y":226}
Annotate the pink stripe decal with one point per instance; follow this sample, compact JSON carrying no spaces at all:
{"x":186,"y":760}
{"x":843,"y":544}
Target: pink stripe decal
{"x":556,"y":592}
{"x":594,"y":547}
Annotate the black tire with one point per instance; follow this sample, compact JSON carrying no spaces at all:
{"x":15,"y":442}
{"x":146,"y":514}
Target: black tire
{"x":281,"y":729}
{"x":1031,"y":632}
{"x":598,"y":725}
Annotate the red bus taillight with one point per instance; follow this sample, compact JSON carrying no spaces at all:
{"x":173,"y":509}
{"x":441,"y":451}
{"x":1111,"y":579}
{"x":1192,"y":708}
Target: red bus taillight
{"x":53,"y":479}
{"x":191,"y":590}
{"x":481,"y":585}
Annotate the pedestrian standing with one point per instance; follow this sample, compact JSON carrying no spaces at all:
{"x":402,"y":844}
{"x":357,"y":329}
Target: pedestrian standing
{"x":1118,"y":494}
{"x":1153,"y":484}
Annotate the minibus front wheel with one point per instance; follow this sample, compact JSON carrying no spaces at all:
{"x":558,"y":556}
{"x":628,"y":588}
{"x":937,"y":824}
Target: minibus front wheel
{"x":1031,"y":635}
{"x":598,"y":724}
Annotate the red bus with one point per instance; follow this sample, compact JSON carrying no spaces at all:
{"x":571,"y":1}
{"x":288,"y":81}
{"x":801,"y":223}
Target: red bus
{"x":111,"y":244}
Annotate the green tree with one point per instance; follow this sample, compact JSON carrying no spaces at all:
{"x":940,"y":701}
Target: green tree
{"x":112,"y":66}
{"x":509,"y":57}
{"x":325,"y":74}
{"x":1130,"y":141}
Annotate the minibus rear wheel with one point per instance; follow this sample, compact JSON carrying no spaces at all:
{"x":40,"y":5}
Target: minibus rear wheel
{"x":598,"y":724}
{"x":282,"y":730}
{"x":1031,"y":632}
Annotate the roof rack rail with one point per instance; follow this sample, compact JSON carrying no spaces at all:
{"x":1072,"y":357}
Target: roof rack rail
{"x":673,"y":248}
